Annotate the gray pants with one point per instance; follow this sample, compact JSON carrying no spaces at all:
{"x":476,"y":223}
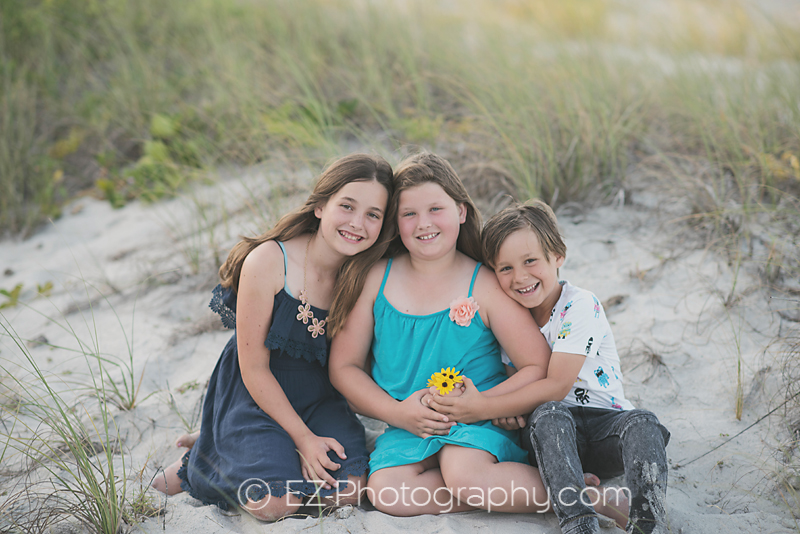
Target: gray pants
{"x":566,"y":441}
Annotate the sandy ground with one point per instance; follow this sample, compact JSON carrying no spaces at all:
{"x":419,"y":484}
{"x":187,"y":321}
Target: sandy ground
{"x":141,"y":277}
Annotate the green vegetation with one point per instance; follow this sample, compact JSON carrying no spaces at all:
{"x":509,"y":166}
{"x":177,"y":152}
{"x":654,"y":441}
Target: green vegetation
{"x":76,"y":444}
{"x":135,"y":97}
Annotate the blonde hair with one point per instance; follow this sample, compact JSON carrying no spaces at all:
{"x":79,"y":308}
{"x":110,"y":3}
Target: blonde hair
{"x":426,"y":167}
{"x":534,"y":215}
{"x":302,"y":220}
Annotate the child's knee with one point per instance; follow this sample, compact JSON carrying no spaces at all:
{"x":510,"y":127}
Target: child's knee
{"x":644,"y":425}
{"x":548,"y":418}
{"x":271,"y":508}
{"x":168,"y":481}
{"x":351,"y":493}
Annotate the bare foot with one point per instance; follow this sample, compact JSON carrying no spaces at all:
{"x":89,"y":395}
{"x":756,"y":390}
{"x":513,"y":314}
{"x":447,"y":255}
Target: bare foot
{"x":610,"y":501}
{"x":187,"y":440}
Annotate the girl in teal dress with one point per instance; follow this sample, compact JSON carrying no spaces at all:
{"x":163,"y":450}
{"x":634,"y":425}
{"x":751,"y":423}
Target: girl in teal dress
{"x":434,"y":306}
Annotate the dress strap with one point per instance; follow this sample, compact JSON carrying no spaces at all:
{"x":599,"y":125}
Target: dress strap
{"x":474,"y":276}
{"x":385,"y":275}
{"x":285,"y":269}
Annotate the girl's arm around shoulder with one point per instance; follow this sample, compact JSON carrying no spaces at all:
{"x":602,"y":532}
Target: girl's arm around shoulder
{"x":347,"y":366}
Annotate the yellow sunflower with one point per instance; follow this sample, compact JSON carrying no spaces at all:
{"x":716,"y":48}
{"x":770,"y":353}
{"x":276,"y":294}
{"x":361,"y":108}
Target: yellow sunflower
{"x":445,"y":380}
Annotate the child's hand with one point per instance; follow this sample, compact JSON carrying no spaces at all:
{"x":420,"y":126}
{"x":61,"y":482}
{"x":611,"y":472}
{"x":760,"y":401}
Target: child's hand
{"x":510,"y":423}
{"x":314,"y":459}
{"x":464,"y":407}
{"x":457,"y":391}
{"x":420,"y":420}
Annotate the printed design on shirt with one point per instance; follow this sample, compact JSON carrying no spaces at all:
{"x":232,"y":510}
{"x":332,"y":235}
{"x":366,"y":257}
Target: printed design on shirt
{"x":613,"y":371}
{"x":615,"y":405}
{"x":596,"y":307}
{"x":602,"y":377}
{"x":581,"y":395}
{"x":589,"y":345}
{"x":567,"y":307}
{"x":566,"y":328}
{"x":552,"y":312}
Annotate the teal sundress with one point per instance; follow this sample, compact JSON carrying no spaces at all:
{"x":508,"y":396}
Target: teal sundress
{"x":407,"y":350}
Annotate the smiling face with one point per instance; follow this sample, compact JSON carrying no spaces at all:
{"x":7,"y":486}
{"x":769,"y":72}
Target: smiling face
{"x":526,"y":275}
{"x":428,"y":220}
{"x":351,"y":219}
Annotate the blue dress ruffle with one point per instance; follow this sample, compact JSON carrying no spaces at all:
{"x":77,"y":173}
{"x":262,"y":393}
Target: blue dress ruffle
{"x":242,"y":453}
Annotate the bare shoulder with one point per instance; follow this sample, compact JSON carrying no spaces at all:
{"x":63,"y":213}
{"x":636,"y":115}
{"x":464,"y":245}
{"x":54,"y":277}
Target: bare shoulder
{"x":486,"y":285}
{"x":264,"y":265}
{"x":490,"y":296}
{"x":374,"y":278}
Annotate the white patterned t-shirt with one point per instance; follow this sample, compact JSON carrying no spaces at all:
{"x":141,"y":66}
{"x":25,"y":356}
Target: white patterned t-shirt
{"x":578,"y":325}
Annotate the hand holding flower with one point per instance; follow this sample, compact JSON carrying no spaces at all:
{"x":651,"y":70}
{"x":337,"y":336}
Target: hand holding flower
{"x":419,"y":419}
{"x":445,"y":380}
{"x":455,"y":392}
{"x":464,"y":408}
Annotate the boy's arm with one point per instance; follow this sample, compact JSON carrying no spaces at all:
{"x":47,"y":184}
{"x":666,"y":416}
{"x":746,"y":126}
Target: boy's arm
{"x":473,"y":406}
{"x":580,"y":328}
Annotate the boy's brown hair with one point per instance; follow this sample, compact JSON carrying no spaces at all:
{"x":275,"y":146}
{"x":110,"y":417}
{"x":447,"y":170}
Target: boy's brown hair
{"x":534,"y":215}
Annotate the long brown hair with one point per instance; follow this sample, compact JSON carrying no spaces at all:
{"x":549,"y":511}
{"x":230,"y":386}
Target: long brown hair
{"x":426,"y":167}
{"x":302,"y":220}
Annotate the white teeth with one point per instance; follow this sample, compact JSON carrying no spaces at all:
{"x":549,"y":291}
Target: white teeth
{"x":528,"y":289}
{"x":350,"y":236}
{"x":427,"y":237}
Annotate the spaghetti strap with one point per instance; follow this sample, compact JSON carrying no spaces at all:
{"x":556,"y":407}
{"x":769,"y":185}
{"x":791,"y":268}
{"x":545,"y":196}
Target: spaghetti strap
{"x":285,"y":269}
{"x":474,"y":276}
{"x":385,"y":275}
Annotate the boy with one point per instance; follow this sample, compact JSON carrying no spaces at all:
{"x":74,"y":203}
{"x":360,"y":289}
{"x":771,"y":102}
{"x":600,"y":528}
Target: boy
{"x":582,"y":420}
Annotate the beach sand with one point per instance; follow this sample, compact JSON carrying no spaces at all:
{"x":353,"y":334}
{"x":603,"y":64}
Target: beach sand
{"x":683,"y":317}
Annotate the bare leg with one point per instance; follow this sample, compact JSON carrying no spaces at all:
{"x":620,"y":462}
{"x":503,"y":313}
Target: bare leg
{"x":352,"y":494}
{"x":492,"y":485}
{"x":168,"y":481}
{"x":413,"y":489}
{"x":273,"y":508}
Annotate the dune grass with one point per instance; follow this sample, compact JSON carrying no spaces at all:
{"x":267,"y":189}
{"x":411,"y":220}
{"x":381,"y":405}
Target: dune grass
{"x":136,"y":96}
{"x":75,"y":445}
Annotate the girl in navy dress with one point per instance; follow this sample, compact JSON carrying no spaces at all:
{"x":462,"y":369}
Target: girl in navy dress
{"x":274,"y":430}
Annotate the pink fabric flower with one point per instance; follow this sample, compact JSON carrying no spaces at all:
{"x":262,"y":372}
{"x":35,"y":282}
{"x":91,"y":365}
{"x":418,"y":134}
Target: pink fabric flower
{"x":462,"y":310}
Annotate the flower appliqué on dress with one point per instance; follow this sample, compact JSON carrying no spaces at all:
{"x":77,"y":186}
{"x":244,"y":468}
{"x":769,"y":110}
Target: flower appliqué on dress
{"x":462,"y":310}
{"x":305,"y":312}
{"x":317,"y":327}
{"x":445,"y":380}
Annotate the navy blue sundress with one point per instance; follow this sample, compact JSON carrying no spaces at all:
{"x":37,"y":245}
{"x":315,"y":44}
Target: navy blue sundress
{"x":242,"y":453}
